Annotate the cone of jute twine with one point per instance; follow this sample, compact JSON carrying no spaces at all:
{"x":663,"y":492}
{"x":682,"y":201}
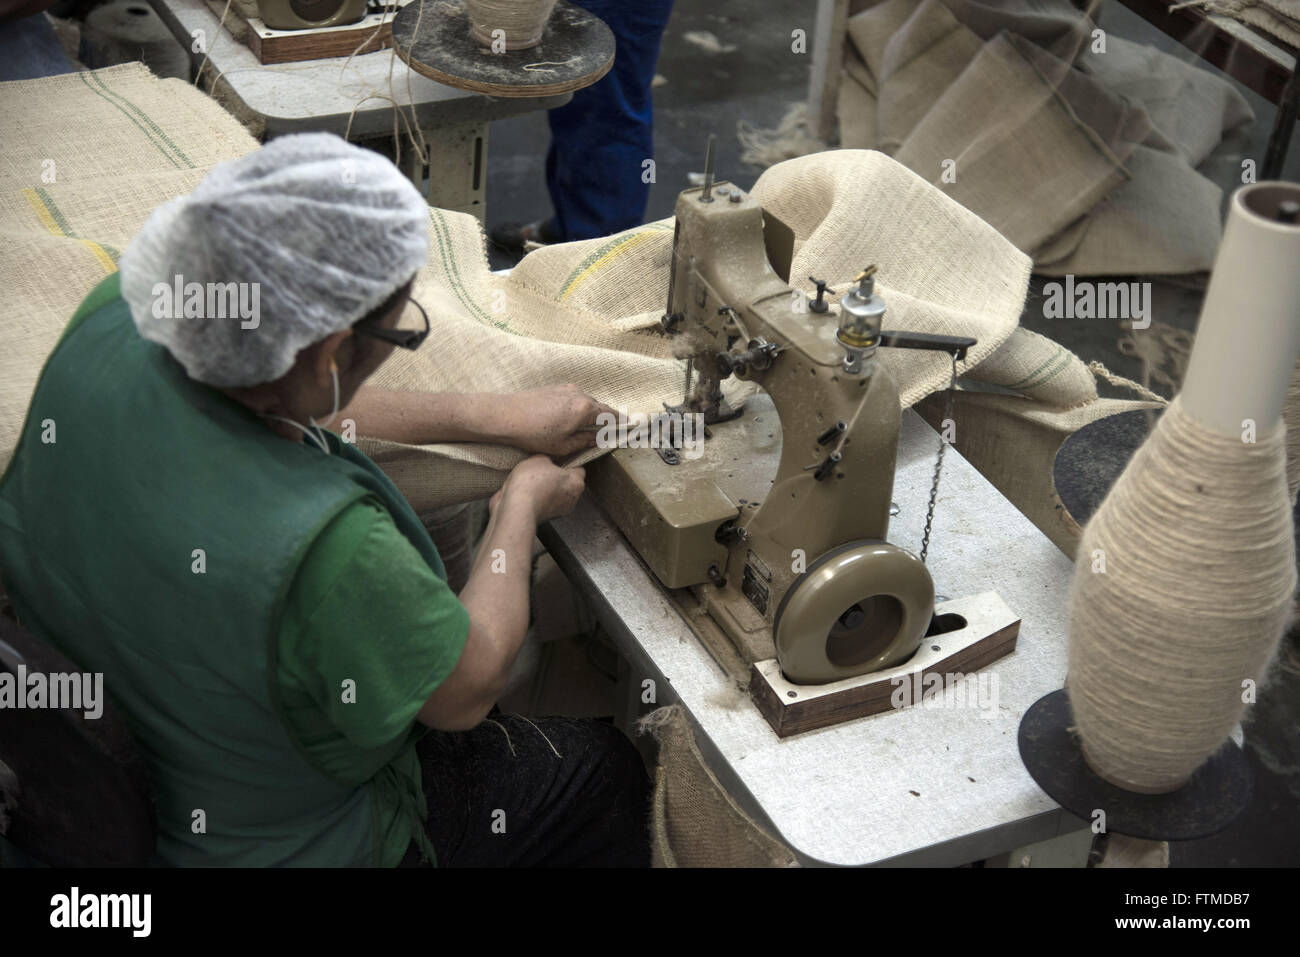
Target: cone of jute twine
{"x":1184,"y":576}
{"x":1198,"y":575}
{"x":521,"y":21}
{"x":1291,"y":412}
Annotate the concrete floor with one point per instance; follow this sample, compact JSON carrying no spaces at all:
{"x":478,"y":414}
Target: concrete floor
{"x":756,"y":82}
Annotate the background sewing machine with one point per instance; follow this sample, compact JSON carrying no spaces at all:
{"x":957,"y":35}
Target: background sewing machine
{"x":779,"y":528}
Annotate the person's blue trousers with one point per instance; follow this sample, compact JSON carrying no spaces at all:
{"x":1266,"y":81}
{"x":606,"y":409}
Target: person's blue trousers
{"x":600,"y":140}
{"x":29,"y":49}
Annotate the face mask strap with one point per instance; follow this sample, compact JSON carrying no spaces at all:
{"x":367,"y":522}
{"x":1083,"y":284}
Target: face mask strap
{"x":334,"y":374}
{"x":317,"y":437}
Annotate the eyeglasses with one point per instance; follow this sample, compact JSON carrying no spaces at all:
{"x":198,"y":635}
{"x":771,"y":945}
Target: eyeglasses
{"x":402,"y":338}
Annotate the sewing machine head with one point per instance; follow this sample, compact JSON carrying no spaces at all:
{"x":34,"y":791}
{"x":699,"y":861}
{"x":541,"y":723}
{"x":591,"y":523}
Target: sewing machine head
{"x":779,"y":525}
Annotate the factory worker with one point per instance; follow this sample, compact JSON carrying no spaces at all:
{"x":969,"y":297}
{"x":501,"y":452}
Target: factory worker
{"x":266,"y":610}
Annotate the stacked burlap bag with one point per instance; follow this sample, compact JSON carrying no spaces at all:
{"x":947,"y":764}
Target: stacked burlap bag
{"x":87,"y":156}
{"x":1086,"y":150}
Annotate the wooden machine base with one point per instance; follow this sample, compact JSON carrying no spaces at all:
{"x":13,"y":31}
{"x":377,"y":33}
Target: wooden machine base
{"x":292,"y":46}
{"x":990,"y":632}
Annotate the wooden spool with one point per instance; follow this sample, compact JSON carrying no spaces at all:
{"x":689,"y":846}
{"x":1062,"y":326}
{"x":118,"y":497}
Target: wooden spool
{"x":575,"y":51}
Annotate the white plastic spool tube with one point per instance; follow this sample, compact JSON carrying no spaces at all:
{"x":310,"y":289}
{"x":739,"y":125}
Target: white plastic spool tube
{"x":126,"y":30}
{"x":1248,"y":335}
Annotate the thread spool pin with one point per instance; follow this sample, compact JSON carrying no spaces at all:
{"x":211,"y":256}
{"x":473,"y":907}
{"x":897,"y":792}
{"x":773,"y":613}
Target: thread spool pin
{"x":819,"y":304}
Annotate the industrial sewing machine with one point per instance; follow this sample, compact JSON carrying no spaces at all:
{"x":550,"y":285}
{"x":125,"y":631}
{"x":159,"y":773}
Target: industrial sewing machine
{"x":779,"y":527}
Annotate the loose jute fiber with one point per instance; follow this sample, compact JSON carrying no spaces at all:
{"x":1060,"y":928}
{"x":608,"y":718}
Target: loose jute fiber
{"x":1182,"y":587}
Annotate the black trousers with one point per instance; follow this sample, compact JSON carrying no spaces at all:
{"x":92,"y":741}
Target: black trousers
{"x":499,"y":796}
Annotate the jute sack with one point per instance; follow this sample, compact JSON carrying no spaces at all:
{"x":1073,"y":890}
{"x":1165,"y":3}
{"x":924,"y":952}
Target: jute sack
{"x":587,"y":312}
{"x":694,"y":821}
{"x":991,"y":113}
{"x":1013,"y":442}
{"x":48,"y":264}
{"x":1039,"y":369}
{"x":579,"y":312}
{"x":1015,"y":149}
{"x":1091,"y":160}
{"x":87,"y":156}
{"x":1165,"y":218}
{"x":110,"y":124}
{"x":1128,"y":852}
{"x":941,"y":268}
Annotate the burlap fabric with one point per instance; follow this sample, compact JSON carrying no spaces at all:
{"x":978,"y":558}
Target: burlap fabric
{"x":587,"y":312}
{"x":1092,"y":161}
{"x":86,"y":157}
{"x":1013,"y":442}
{"x":694,"y":821}
{"x":1123,"y":851}
{"x":121,"y":142}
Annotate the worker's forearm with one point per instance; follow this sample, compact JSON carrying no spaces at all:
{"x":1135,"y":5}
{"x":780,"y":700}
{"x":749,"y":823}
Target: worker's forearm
{"x":497,"y":592}
{"x":423,"y":418}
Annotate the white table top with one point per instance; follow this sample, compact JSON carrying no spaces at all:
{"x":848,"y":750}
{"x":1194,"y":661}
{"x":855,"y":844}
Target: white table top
{"x":843,"y":795}
{"x":319,"y":95}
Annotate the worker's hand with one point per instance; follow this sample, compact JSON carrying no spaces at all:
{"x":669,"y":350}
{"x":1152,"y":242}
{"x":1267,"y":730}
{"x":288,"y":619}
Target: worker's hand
{"x":542,"y":487}
{"x":556,"y":420}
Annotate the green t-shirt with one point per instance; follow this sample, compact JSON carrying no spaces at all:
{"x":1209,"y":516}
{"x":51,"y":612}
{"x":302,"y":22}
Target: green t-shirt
{"x":368,"y":631}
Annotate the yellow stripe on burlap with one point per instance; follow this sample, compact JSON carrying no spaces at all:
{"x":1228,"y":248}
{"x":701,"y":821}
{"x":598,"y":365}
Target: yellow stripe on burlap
{"x":48,"y":213}
{"x":606,"y":255}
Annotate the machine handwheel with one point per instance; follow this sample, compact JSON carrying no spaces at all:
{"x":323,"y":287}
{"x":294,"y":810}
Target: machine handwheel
{"x":858,"y":608}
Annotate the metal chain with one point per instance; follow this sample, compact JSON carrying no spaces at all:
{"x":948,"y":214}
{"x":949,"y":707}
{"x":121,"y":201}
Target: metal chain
{"x":938,"y":462}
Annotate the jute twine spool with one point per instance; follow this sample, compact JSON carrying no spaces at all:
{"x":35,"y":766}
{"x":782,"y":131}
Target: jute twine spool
{"x":1291,"y":413}
{"x":1199,"y":569}
{"x":522,"y":21}
{"x":127,"y":30}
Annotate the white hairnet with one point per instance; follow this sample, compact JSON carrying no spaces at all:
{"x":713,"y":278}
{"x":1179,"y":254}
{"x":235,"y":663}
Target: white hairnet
{"x":313,"y":232}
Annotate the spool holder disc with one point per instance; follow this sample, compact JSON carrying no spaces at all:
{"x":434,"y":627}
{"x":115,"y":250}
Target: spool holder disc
{"x":1205,"y":805}
{"x":576,"y":50}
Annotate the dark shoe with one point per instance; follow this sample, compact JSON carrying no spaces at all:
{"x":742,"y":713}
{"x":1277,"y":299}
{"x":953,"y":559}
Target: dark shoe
{"x":514,"y":237}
